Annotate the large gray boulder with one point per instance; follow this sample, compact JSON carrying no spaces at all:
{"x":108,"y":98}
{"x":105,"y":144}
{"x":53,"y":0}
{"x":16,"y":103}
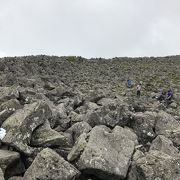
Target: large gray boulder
{"x":107,"y":153}
{"x":44,"y":136}
{"x":143,"y":125}
{"x":8,"y":108}
{"x":156,"y":165}
{"x":11,"y":163}
{"x":60,"y":117}
{"x":168,"y":126}
{"x":165,"y":145}
{"x":22,"y":123}
{"x":78,"y":128}
{"x":49,"y":165}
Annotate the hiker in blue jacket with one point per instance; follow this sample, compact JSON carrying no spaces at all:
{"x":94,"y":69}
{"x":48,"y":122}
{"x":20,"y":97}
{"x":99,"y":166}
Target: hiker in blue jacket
{"x":169,"y":96}
{"x":129,"y":83}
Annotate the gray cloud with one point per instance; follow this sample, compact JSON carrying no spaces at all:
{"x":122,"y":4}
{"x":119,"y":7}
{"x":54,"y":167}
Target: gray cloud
{"x":90,"y":28}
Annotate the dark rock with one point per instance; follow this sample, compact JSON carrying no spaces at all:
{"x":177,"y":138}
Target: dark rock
{"x":143,"y":125}
{"x":8,"y":108}
{"x":78,"y":128}
{"x":93,"y":118}
{"x":11,"y":163}
{"x":44,"y":136}
{"x":164,"y":145}
{"x":49,"y":165}
{"x":63,"y":152}
{"x":78,"y":147}
{"x":60,"y":118}
{"x":111,"y":114}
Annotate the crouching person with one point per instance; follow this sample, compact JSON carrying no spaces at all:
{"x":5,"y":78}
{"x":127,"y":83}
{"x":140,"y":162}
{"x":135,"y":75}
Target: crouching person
{"x":169,"y":96}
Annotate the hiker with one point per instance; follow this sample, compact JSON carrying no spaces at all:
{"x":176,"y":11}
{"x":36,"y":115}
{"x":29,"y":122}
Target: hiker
{"x":139,"y":90}
{"x":129,"y":83}
{"x":162,"y":95}
{"x":168,"y":97}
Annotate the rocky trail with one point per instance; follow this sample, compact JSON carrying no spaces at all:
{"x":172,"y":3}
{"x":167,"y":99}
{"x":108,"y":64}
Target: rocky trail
{"x":71,"y":118}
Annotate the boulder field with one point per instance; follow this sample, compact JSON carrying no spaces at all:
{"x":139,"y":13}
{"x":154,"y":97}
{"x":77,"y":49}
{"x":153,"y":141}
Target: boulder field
{"x":69,"y":118}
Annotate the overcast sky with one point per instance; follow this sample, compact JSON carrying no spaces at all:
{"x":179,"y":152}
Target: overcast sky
{"x":90,"y":28}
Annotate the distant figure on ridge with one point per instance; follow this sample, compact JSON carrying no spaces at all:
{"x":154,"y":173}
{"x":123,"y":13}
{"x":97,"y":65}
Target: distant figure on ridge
{"x":129,"y":83}
{"x":138,"y":90}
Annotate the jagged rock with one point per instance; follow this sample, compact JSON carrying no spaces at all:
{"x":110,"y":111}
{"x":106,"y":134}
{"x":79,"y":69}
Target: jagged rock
{"x":156,"y":165}
{"x":16,"y":178}
{"x":58,"y":93}
{"x":78,"y":147}
{"x":49,"y":165}
{"x":116,"y":113}
{"x":107,"y":154}
{"x":77,"y":129}
{"x":80,"y":110}
{"x":143,"y":125}
{"x":75,"y":117}
{"x":132,"y":175}
{"x":111,"y":114}
{"x":49,"y":86}
{"x":78,"y":100}
{"x":22,"y":123}
{"x":60,"y":118}
{"x":105,"y":101}
{"x":93,"y":118}
{"x":95,"y":95}
{"x":8,"y":108}
{"x":44,"y":136}
{"x":1,"y":175}
{"x":168,"y":126}
{"x":164,"y":145}
{"x":11,"y":163}
{"x":138,"y":154}
{"x":137,"y":105}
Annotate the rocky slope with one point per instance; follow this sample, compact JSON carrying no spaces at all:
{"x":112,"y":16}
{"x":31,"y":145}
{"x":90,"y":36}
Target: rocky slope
{"x":73,"y":118}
